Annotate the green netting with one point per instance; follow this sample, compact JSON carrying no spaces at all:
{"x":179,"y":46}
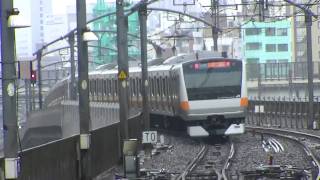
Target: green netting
{"x":108,"y":40}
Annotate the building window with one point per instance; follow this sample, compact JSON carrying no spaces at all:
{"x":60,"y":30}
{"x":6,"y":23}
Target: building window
{"x":318,"y":39}
{"x":270,"y":31}
{"x":252,"y":60}
{"x":253,"y":46}
{"x":282,"y":32}
{"x":271,"y":61}
{"x":283,"y":60}
{"x":282,"y":47}
{"x":271,"y":48}
{"x":253,"y":31}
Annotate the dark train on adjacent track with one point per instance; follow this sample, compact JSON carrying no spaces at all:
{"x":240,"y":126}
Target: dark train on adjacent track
{"x":204,"y":93}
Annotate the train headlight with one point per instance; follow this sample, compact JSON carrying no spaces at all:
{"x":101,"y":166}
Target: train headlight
{"x":184,"y":105}
{"x":244,"y":102}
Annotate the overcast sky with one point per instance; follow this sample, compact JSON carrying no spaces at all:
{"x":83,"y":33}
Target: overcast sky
{"x":59,"y":6}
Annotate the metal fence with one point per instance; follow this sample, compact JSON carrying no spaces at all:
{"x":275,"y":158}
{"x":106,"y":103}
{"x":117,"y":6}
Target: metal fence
{"x":281,"y":71}
{"x":281,"y":112}
{"x":62,"y":121}
{"x":60,"y":160}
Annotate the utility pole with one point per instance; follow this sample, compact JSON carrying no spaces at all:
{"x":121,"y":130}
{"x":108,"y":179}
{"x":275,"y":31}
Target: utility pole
{"x":261,"y":10}
{"x":215,"y":19}
{"x":144,"y":67}
{"x":72,"y":66}
{"x":308,"y":21}
{"x":83,"y":84}
{"x":39,"y":56}
{"x":123,"y":69}
{"x":9,"y":94}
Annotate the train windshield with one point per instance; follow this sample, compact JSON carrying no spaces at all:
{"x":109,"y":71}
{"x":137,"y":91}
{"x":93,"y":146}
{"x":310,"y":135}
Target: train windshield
{"x":213,"y":79}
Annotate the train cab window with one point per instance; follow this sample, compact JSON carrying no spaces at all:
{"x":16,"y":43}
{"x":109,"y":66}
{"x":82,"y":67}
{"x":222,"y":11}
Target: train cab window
{"x":213,"y":79}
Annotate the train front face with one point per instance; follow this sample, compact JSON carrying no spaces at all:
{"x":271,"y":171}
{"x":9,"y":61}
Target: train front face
{"x":213,"y":97}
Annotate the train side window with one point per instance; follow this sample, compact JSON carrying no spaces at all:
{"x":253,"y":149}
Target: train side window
{"x":167,"y":87}
{"x":130,"y":89}
{"x":96,"y":89}
{"x":113,"y":89}
{"x":116,"y":86}
{"x":139,"y":86}
{"x":158,"y":88}
{"x":153,"y":87}
{"x":96,"y":86}
{"x":164,"y":85}
{"x":110,"y":87}
{"x":150,"y":87}
{"x":91,"y":86}
{"x":105,"y":87}
{"x":133,"y":86}
{"x":101,"y":84}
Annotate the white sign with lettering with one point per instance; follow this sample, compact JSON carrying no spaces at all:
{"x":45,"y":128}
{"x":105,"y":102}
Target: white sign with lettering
{"x":149,"y":137}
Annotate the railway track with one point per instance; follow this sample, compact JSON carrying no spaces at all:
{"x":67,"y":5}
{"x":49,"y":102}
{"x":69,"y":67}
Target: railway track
{"x":210,"y":163}
{"x":309,"y":142}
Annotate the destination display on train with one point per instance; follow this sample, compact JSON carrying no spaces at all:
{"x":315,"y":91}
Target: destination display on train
{"x":211,"y":65}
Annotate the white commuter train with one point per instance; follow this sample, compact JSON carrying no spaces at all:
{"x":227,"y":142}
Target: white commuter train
{"x":204,"y":93}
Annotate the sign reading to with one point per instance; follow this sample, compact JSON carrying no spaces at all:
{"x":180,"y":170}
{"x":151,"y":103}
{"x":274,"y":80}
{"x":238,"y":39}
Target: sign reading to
{"x":149,"y":137}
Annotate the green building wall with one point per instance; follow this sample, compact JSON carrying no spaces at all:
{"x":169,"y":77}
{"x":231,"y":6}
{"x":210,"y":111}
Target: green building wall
{"x":261,"y":55}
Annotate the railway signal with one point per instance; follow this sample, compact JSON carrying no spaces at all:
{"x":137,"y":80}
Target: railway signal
{"x":33,"y":76}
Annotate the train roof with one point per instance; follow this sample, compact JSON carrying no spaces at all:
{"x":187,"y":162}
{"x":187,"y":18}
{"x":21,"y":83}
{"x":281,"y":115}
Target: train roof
{"x":201,"y":55}
{"x":168,"y":64}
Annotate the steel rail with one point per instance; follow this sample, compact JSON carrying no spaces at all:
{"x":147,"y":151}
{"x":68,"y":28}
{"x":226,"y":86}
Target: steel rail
{"x":193,"y":163}
{"x":286,"y":134}
{"x":227,"y":164}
